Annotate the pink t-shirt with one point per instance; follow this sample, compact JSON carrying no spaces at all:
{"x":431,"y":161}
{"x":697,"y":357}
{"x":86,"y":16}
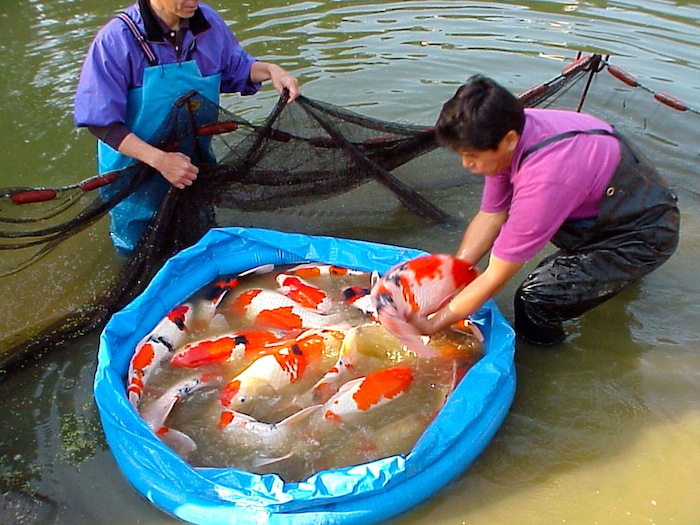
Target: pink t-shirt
{"x":562,"y":181}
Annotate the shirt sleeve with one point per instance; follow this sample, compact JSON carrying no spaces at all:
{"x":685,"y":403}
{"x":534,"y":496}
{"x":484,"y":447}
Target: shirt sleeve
{"x":497,"y":194}
{"x":101,"y":95}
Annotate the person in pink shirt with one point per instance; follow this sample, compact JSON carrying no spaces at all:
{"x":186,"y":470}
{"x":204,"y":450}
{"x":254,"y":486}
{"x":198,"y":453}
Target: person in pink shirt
{"x":552,"y":176}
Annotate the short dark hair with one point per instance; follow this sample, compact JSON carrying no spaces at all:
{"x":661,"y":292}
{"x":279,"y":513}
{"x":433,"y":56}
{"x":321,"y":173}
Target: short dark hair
{"x":479,"y":115}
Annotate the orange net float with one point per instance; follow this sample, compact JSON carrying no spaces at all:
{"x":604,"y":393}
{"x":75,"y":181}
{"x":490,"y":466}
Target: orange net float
{"x":216,"y":128}
{"x":577,"y":65}
{"x":623,"y":75}
{"x":670,"y":101}
{"x":533,"y":91}
{"x":37,"y":195}
{"x":98,"y":182}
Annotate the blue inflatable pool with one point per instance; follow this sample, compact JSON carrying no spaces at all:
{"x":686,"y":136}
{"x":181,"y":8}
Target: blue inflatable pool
{"x":365,"y":494}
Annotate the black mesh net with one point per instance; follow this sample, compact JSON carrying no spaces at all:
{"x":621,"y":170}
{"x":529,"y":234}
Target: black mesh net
{"x":303,"y":152}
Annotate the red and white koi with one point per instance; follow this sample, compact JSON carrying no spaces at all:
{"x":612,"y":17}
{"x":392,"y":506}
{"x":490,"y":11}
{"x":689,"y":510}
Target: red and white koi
{"x":364,"y":348}
{"x":415,"y":289}
{"x":292,"y":362}
{"x":318,"y":269}
{"x":359,"y":297}
{"x":238,"y":346}
{"x":156,"y":349}
{"x":276,"y":310}
{"x":305,"y":294}
{"x":216,"y":291}
{"x":366,"y":393}
{"x":357,"y":398}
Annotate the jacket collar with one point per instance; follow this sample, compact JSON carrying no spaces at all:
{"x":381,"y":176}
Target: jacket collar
{"x":155,"y":27}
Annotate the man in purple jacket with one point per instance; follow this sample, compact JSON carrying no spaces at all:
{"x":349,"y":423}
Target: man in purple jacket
{"x":556,"y":176}
{"x":138,"y":65}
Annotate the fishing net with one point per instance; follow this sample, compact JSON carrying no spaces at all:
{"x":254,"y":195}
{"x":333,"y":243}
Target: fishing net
{"x":302,"y":153}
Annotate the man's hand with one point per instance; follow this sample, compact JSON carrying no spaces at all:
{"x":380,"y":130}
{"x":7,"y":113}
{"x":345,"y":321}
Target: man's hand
{"x":177,"y":169}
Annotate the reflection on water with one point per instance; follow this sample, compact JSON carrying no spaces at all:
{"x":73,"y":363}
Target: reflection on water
{"x":604,"y":429}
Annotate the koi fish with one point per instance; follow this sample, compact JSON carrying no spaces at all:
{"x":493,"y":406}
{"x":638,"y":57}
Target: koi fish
{"x":276,"y":310}
{"x":291,"y":362}
{"x":156,"y":413}
{"x":359,"y":297}
{"x":305,"y":294}
{"x":417,"y":288}
{"x":270,"y":438}
{"x":467,"y":327}
{"x":156,"y":348}
{"x":317,"y":270}
{"x":363,"y":394}
{"x":364,"y":348}
{"x":233,"y":347}
{"x":215,"y":292}
{"x":355,"y":399}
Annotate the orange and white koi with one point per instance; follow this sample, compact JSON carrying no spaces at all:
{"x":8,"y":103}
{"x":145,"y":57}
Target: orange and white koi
{"x":276,"y":310}
{"x":415,"y":289}
{"x":291,"y":362}
{"x":216,"y":291}
{"x":156,"y":349}
{"x":364,"y":348}
{"x":357,"y":398}
{"x":366,"y":393}
{"x":305,"y":294}
{"x":237,"y":346}
{"x":359,"y":297}
{"x":318,"y":269}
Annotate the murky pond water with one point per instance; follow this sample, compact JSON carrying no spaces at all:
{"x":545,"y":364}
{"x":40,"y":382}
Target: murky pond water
{"x":604,"y":428}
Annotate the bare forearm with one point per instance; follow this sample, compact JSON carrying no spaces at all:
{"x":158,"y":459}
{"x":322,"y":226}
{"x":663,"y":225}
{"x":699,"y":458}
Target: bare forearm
{"x":280,"y":79}
{"x":175,"y":167}
{"x":472,"y":297}
{"x":480,"y":236}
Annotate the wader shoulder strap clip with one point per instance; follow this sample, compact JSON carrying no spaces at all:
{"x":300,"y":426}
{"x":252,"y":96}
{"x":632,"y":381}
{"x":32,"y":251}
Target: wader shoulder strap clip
{"x":561,"y":136}
{"x":151,"y":57}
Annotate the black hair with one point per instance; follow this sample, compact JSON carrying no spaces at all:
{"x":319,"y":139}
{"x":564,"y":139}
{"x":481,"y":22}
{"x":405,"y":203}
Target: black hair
{"x":479,"y":115}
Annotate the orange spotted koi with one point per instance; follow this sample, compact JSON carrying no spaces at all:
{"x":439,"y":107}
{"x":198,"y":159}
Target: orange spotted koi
{"x":307,"y":295}
{"x":308,"y":270}
{"x":417,"y":288}
{"x":216,"y":291}
{"x":276,"y":310}
{"x":156,"y":348}
{"x":359,"y":396}
{"x":286,"y":364}
{"x":355,"y":399}
{"x":237,"y":346}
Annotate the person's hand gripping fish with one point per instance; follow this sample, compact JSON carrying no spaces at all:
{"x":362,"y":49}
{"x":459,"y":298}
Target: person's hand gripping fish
{"x":407,"y":295}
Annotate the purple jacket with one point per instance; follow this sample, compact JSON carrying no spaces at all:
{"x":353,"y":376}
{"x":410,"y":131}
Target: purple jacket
{"x":115,"y":62}
{"x":561,"y":182}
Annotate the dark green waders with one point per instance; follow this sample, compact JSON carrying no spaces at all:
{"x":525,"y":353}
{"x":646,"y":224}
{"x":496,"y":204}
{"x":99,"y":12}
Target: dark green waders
{"x":635,"y":232}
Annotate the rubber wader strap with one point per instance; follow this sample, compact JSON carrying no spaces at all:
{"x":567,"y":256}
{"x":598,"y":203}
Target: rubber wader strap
{"x":562,"y":136}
